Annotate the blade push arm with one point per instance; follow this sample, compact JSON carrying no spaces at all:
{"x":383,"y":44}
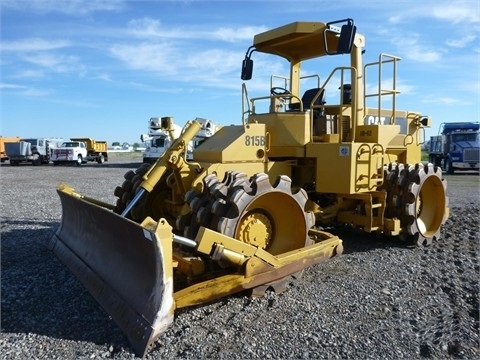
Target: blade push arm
{"x":172,"y":155}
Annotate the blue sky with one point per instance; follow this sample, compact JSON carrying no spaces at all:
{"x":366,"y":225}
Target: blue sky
{"x":102,"y":68}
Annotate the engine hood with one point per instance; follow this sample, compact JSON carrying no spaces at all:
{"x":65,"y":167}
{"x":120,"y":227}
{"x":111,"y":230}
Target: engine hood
{"x":467,"y":144}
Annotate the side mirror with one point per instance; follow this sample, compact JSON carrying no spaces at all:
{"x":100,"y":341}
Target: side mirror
{"x":426,"y":121}
{"x":347,"y":35}
{"x":345,"y":39}
{"x":247,"y":68}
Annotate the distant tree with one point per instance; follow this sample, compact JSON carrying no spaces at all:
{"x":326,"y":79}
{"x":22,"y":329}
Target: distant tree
{"x":135,"y":146}
{"x":115,"y":143}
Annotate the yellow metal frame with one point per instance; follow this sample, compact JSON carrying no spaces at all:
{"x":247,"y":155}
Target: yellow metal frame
{"x":258,"y":266}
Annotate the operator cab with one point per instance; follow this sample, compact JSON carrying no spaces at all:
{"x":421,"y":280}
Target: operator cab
{"x":298,"y":116}
{"x":297,"y":42}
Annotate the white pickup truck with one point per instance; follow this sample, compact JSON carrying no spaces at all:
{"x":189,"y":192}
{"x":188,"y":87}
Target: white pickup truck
{"x":70,"y":152}
{"x":79,"y":151}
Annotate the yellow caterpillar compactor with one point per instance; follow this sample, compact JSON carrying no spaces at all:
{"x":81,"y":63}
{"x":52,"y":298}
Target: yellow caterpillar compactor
{"x":247,"y":211}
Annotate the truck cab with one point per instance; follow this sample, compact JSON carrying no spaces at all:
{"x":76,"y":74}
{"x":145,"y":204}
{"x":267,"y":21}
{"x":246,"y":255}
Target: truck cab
{"x":457,"y":147}
{"x":70,"y":152}
{"x":162,"y":132}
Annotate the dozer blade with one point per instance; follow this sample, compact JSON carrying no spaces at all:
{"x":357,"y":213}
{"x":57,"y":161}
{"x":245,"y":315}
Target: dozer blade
{"x":127,"y":267}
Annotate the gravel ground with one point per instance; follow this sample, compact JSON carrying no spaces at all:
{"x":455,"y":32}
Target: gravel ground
{"x":380,"y":300}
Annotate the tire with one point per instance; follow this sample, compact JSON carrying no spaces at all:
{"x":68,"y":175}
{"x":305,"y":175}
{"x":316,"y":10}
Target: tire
{"x":37,"y":160}
{"x":435,"y":160}
{"x":79,"y":160}
{"x":449,"y":167}
{"x":126,"y":192}
{"x":425,"y":203}
{"x":101,"y":159}
{"x":416,"y":195}
{"x":247,"y":210}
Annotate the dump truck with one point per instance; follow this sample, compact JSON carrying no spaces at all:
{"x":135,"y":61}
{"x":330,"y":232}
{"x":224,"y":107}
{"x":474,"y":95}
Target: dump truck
{"x":260,"y":201}
{"x":456,"y":147}
{"x":36,"y":151}
{"x":79,"y":151}
{"x":97,"y":151}
{"x":3,"y":140}
{"x":162,"y":131}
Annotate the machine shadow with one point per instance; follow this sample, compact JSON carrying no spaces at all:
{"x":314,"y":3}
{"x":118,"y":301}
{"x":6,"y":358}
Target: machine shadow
{"x":47,"y":299}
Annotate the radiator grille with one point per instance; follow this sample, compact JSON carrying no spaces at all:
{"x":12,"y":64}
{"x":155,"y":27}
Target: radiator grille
{"x":472,"y":155}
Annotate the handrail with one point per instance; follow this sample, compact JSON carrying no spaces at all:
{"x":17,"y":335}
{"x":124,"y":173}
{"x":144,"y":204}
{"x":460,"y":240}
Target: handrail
{"x":274,"y":97}
{"x":341,"y":106}
{"x":287,"y":79}
{"x":312,"y":76}
{"x":353,"y":105}
{"x":382,"y":60}
{"x":245,"y":100}
{"x":281,"y":77}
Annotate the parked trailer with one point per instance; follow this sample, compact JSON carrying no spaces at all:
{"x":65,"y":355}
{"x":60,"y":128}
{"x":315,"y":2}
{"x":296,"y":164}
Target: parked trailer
{"x":3,"y":140}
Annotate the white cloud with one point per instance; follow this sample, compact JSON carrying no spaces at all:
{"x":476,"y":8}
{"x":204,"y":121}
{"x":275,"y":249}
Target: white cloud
{"x":33,"y":44}
{"x":31,"y":91}
{"x":70,"y":7}
{"x":396,"y":19}
{"x":235,"y":34}
{"x":44,"y":54}
{"x":105,"y":77}
{"x":176,"y":63}
{"x":29,"y":74}
{"x":23,"y":90}
{"x":462,"y":41}
{"x":56,"y":63}
{"x":412,"y":49}
{"x":213,"y":62}
{"x":11,"y":86}
{"x":146,"y":27}
{"x":160,"y":57}
{"x":152,"y":28}
{"x":445,"y":100}
{"x":419,"y":54}
{"x":458,"y":12}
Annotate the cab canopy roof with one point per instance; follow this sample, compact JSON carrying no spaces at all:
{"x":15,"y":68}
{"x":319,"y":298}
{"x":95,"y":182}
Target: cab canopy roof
{"x":460,"y":126}
{"x":298,"y":41}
